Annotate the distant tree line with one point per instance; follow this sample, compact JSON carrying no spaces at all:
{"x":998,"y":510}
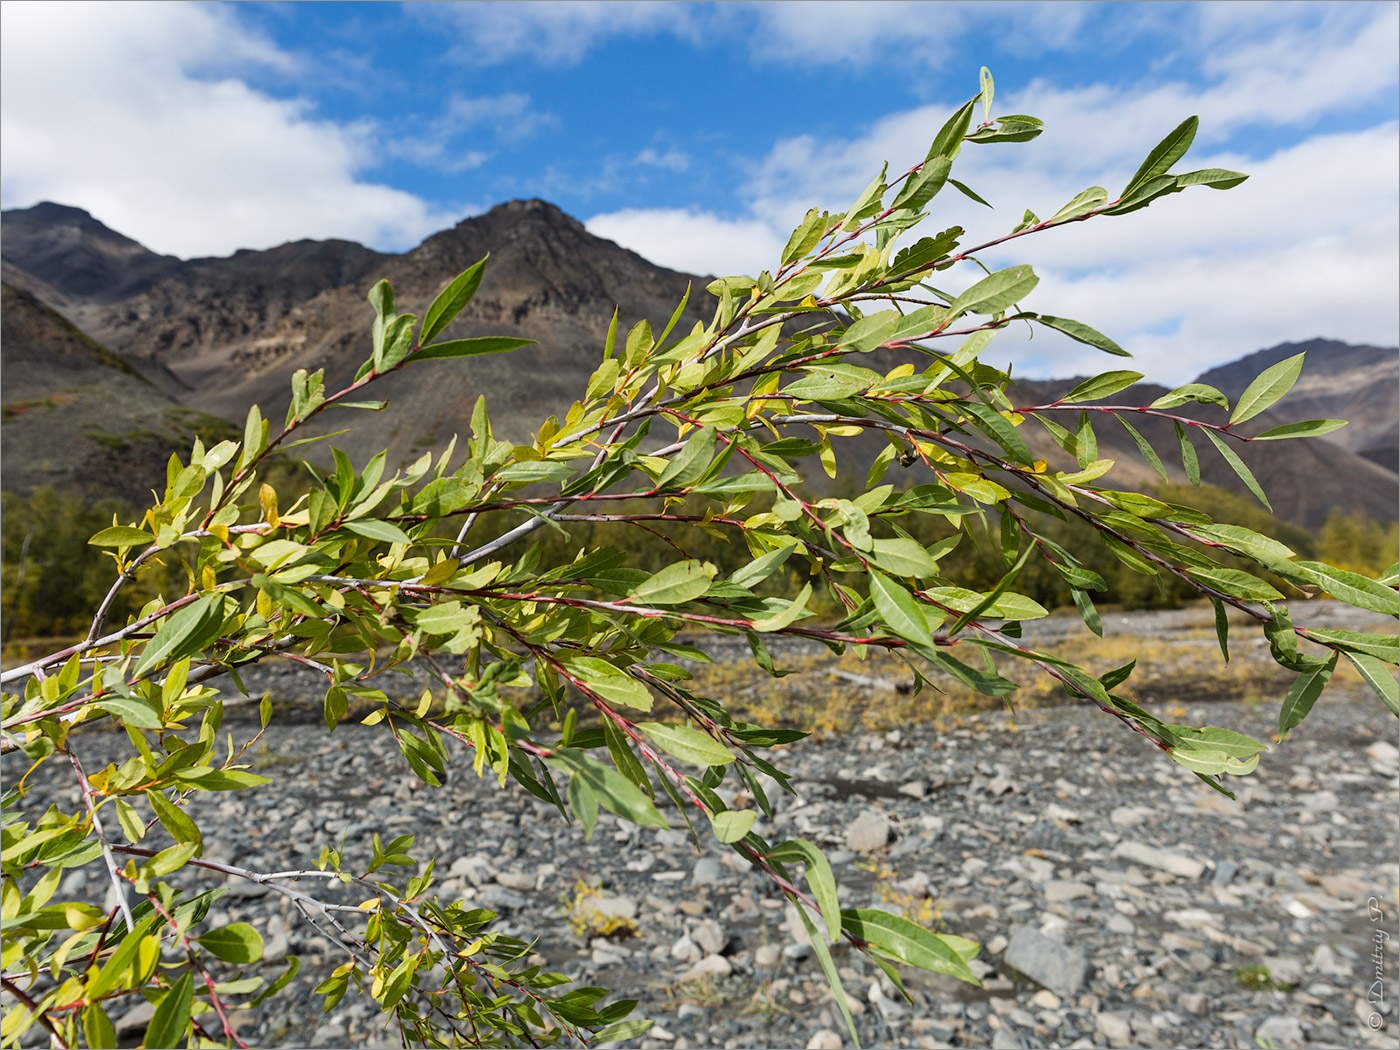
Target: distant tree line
{"x":52,"y":577}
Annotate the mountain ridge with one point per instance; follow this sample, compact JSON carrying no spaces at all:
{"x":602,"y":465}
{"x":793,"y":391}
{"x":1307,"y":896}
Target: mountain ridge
{"x":219,"y":334}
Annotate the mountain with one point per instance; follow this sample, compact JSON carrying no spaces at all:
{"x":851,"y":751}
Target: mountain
{"x":1305,"y":479}
{"x":218,"y":335}
{"x":77,"y":257}
{"x":1338,"y":381}
{"x":76,"y":416}
{"x":224,"y":334}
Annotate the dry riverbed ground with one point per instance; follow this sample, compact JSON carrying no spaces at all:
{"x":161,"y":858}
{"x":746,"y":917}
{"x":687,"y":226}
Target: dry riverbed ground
{"x":1119,"y":901}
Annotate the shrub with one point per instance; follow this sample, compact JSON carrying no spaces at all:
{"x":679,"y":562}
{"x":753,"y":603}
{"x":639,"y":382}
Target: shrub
{"x":703,"y":430}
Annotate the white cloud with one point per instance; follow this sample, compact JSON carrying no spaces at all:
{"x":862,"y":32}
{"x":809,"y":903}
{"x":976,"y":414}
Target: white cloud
{"x":112,"y":107}
{"x":1306,"y":247}
{"x":504,"y":118}
{"x":827,"y":32}
{"x":692,"y":241}
{"x":671,"y":160}
{"x":556,"y":33}
{"x":906,"y":32}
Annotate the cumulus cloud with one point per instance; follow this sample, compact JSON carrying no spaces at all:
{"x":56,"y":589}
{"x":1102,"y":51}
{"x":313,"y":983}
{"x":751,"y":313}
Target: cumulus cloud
{"x":137,"y":113}
{"x":1306,"y":247}
{"x":555,"y":33}
{"x":692,"y":241}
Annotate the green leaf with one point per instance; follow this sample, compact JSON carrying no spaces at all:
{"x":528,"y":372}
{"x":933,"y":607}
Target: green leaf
{"x":1379,"y":677}
{"x":236,"y":943}
{"x":922,"y":187}
{"x":122,"y":536}
{"x":222,"y":779}
{"x":1148,"y":452}
{"x":1212,"y":750}
{"x":1215,"y":178}
{"x":584,"y":803}
{"x":1235,"y":583}
{"x":1237,"y":465}
{"x":687,"y":744}
{"x":1082,"y":333}
{"x":97,"y":1027}
{"x":1163,"y":156}
{"x":796,"y":609}
{"x":967,"y":192}
{"x":822,"y":384}
{"x":534,"y":470}
{"x":903,"y":557}
{"x":133,"y":827}
{"x":451,"y":300}
{"x":996,"y":292}
{"x":1082,"y":204}
{"x":683,"y":582}
{"x":283,"y":979}
{"x":1198,"y":392}
{"x":760,"y":569}
{"x":690,"y":464}
{"x":833,"y":978}
{"x":398,"y":341}
{"x":131,"y":711}
{"x":733,"y":824}
{"x":1241,"y":540}
{"x":616,"y":793}
{"x":1222,"y":628}
{"x":622,"y":1031}
{"x":1384,"y":646}
{"x":1304,"y":428}
{"x":899,"y":610}
{"x":384,"y":531}
{"x":1100,"y":387}
{"x":1001,"y":430}
{"x":1306,"y":688}
{"x":814,"y":224}
{"x":1087,"y":612}
{"x":172,"y":1014}
{"x":1353,"y":588}
{"x":1189,"y":462}
{"x":1267,"y":388}
{"x":907,"y":942}
{"x":289,"y":597}
{"x":949,"y":138}
{"x":491,"y":344}
{"x":610,"y":683}
{"x":185,"y":633}
{"x":819,"y":879}
{"x":1004,"y":604}
{"x":174,"y":819}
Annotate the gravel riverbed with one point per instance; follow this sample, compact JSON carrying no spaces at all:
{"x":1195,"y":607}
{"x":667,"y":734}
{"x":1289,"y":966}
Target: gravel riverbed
{"x":1119,"y":901}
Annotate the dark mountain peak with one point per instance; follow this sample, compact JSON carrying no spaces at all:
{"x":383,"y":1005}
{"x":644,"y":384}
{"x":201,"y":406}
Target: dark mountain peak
{"x":532,"y":210}
{"x":1324,"y":355}
{"x":79,"y":256}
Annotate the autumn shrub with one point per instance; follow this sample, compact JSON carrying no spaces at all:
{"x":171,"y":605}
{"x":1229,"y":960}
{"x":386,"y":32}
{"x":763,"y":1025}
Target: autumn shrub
{"x":699,"y":432}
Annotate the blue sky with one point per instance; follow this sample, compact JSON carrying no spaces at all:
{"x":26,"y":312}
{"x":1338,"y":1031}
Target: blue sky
{"x":697,"y":134}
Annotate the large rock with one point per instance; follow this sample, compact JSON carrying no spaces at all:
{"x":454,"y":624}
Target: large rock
{"x":709,"y":966}
{"x":1383,"y":758}
{"x":1049,"y":963}
{"x":1154,"y":857}
{"x":870,"y":831}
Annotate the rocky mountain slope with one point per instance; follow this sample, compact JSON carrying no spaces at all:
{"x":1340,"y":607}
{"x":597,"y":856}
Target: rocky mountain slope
{"x":1339,"y":381}
{"x":76,"y":416}
{"x":218,"y":335}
